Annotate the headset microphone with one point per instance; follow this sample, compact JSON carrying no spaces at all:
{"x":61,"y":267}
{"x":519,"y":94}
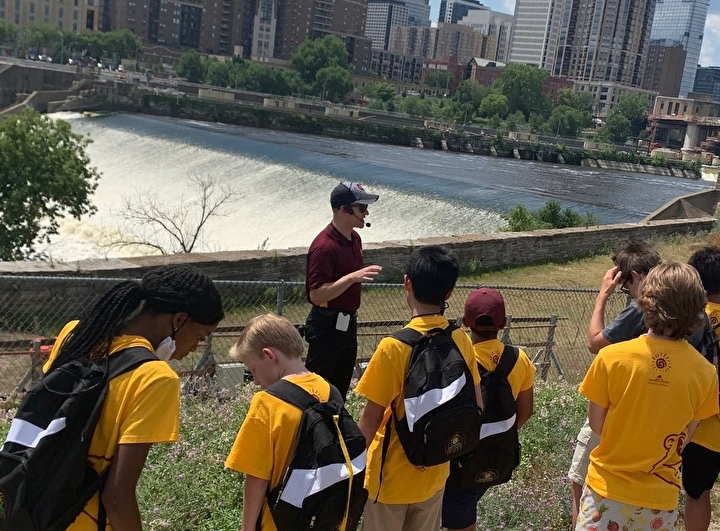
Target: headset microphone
{"x":350,"y":211}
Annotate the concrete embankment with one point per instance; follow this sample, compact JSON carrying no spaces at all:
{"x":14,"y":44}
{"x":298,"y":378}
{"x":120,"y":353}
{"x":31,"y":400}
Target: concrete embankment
{"x":639,"y":168}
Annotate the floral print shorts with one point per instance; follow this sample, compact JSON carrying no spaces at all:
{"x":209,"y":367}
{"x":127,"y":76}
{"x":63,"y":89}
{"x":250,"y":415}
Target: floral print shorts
{"x":602,"y":514}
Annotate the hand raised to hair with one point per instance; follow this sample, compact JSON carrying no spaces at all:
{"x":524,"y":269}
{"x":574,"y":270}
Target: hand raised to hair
{"x":610,"y":282}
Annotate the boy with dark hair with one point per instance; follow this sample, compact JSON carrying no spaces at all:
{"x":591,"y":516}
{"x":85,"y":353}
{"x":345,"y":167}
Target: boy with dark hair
{"x":271,"y":348}
{"x":634,"y":474}
{"x":409,"y":497}
{"x":701,"y":456}
{"x":484,"y":314}
{"x":632,"y":263}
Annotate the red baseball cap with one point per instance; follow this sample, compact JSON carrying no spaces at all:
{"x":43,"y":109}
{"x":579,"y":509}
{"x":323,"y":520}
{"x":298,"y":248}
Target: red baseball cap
{"x":484,"y":302}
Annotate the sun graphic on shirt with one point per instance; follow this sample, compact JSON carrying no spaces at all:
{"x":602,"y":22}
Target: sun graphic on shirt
{"x":661,"y":362}
{"x":495,"y":358}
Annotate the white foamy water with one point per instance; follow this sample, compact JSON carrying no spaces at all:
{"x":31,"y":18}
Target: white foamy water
{"x":280,"y":205}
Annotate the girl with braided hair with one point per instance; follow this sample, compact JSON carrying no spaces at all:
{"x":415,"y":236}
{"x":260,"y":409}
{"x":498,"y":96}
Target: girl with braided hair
{"x":168,"y":312}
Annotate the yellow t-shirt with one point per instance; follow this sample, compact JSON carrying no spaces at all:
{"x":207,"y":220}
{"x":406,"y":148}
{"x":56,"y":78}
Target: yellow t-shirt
{"x":383,"y":383}
{"x":142,"y":406}
{"x":652,"y":388}
{"x":708,"y":432}
{"x":521,"y":377}
{"x":264,"y":444}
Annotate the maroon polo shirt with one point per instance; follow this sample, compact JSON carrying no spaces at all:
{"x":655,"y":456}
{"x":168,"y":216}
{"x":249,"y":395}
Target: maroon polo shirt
{"x":330,"y":257}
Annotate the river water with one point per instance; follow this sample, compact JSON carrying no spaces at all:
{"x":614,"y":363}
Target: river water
{"x":284,"y":181}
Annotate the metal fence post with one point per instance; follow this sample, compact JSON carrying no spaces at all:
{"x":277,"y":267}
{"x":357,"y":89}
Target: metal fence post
{"x":280,"y":297}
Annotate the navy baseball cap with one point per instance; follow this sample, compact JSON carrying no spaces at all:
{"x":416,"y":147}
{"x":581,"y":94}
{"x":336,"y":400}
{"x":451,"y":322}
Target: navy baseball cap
{"x":347,"y":193}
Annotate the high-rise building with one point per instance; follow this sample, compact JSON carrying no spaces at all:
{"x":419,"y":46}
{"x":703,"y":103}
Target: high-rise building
{"x":497,"y":27}
{"x":382,"y":15}
{"x":414,"y":41}
{"x":681,"y":22}
{"x":264,"y":30}
{"x":707,"y":81}
{"x":601,"y":46}
{"x":535,"y":32}
{"x":456,"y":40}
{"x":451,"y":11}
{"x":662,"y":74}
{"x":72,"y":16}
{"x":419,"y":13}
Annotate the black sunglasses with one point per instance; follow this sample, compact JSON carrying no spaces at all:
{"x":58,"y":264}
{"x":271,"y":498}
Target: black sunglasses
{"x":361,"y":208}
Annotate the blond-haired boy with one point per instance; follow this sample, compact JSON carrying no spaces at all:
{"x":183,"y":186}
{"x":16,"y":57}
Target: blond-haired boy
{"x":646,"y":397}
{"x":271,"y":349}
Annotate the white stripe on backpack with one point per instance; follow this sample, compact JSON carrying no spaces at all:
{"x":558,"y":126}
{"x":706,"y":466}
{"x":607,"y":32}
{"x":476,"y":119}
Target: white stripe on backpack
{"x":418,"y":406}
{"x":27,"y":434}
{"x":304,"y":483}
{"x":493,"y":428}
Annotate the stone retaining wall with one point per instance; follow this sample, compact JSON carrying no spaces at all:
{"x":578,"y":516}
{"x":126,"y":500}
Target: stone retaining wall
{"x":476,"y":252}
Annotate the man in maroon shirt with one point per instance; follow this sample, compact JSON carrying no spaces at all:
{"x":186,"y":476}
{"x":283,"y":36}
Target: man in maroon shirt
{"x":334,"y":273}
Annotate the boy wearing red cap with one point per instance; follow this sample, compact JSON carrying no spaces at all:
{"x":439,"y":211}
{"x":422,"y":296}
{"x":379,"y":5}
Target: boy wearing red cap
{"x":485,"y":316}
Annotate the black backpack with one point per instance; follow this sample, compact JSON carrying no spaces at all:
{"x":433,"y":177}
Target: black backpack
{"x":498,"y":452}
{"x":442,"y":418}
{"x":707,"y":343}
{"x":45,"y":477}
{"x":323,"y":487}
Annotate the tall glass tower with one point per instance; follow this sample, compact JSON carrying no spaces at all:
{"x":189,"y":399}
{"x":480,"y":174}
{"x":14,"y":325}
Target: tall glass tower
{"x":681,"y":22}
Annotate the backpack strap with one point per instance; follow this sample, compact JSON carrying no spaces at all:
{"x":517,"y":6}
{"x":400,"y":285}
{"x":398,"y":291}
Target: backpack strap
{"x":408,"y":336}
{"x":295,"y":395}
{"x":126,"y":360}
{"x":508,"y":359}
{"x":118,"y":363}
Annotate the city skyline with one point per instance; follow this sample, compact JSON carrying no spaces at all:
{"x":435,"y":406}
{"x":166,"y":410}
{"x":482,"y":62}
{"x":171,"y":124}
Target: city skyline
{"x":709,"y":55}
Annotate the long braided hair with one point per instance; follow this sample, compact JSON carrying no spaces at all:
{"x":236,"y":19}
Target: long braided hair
{"x":169,"y":289}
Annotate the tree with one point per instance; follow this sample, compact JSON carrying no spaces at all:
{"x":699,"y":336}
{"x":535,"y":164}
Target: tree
{"x":218,"y":73}
{"x":45,"y":175}
{"x":494,"y":104}
{"x":149,"y":222}
{"x":8,"y":32}
{"x":333,"y":82}
{"x":523,"y":87}
{"x":314,"y":55}
{"x":633,"y":107}
{"x":581,"y":101}
{"x":38,"y":35}
{"x":379,"y":91}
{"x":514,"y":120}
{"x":617,"y":128}
{"x":565,"y":121}
{"x":192,"y":66}
{"x":439,"y":79}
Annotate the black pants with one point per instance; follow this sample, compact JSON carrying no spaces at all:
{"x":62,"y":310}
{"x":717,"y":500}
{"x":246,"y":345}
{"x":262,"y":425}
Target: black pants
{"x":331,"y":353}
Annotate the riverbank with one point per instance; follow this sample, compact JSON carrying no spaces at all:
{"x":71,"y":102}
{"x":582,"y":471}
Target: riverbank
{"x":270,"y":112}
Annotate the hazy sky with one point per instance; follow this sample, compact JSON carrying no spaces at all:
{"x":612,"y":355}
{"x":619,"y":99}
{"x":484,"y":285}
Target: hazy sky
{"x":709,"y":56}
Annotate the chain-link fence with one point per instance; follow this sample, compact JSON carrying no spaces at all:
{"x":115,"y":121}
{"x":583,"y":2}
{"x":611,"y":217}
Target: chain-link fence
{"x":550,"y":322}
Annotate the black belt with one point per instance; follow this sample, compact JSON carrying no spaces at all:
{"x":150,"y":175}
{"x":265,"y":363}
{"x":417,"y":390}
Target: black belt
{"x":325,"y":312}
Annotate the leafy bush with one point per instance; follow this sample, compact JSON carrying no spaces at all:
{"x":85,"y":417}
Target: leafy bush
{"x":551,"y":216}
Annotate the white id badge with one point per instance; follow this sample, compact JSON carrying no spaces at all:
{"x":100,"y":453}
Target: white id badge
{"x":343,"y":322}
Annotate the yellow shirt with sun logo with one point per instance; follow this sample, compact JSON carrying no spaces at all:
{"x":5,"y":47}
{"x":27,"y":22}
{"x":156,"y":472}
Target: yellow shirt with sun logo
{"x":522,"y":375}
{"x":708,"y":432}
{"x":652,"y":388}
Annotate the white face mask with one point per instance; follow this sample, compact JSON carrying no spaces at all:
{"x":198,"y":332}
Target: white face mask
{"x":165,"y":349}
